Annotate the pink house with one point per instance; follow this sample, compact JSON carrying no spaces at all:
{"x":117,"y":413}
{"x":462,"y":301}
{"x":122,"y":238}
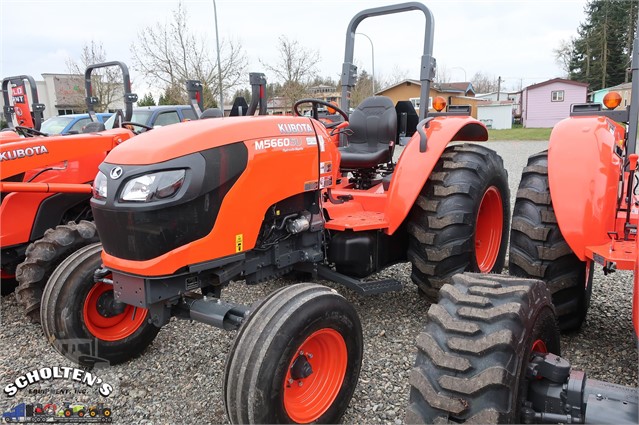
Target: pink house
{"x":545,"y":104}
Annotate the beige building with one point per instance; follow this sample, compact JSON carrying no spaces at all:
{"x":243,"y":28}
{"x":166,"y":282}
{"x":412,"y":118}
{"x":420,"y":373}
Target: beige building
{"x":455,"y":94}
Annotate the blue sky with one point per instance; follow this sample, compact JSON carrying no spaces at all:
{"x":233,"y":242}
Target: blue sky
{"x":512,"y":39}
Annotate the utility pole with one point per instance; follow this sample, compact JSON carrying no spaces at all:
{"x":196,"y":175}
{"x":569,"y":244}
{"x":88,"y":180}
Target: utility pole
{"x":498,"y":87}
{"x":219,"y":67}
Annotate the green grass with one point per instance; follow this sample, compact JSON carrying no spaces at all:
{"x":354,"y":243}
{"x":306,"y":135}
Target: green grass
{"x":520,"y":134}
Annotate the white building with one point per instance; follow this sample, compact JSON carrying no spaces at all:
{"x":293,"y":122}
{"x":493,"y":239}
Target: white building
{"x":496,"y":115}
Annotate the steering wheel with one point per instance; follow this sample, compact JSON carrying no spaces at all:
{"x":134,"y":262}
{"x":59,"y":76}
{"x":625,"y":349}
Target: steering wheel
{"x":137,"y":124}
{"x":28,"y":131}
{"x":315,"y":103}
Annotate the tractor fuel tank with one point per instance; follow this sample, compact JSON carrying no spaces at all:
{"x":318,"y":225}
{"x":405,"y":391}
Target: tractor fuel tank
{"x":360,"y":254}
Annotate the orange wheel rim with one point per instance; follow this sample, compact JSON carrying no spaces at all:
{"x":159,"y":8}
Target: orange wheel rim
{"x":113,"y":328}
{"x":308,"y":398}
{"x":488,"y":229}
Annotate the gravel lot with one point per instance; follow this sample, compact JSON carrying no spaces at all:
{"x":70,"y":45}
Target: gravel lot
{"x":179,"y":378}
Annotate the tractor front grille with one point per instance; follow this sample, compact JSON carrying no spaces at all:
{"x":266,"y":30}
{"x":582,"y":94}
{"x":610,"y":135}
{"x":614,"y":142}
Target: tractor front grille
{"x":142,"y":235}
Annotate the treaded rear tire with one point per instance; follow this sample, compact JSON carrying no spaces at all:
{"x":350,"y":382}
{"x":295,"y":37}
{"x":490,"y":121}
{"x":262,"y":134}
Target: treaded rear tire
{"x":442,"y":223}
{"x":267,"y":342}
{"x":472,"y":354}
{"x":538,"y":250}
{"x":43,"y":256}
{"x":63,"y":316}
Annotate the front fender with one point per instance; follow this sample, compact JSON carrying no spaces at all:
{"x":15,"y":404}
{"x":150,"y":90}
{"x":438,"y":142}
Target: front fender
{"x":583,"y":174}
{"x":414,"y":167}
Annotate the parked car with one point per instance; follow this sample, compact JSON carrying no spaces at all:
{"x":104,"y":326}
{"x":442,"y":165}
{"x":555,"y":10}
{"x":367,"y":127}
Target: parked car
{"x":70,"y":124}
{"x":158,"y":116}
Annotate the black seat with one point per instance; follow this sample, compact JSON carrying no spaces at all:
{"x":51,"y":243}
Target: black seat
{"x":212,"y":113}
{"x":374,"y":126}
{"x":93,"y":127}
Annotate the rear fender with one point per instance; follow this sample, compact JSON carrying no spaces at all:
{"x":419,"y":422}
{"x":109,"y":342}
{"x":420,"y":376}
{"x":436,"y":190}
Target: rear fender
{"x":583,"y":174}
{"x":414,"y":167}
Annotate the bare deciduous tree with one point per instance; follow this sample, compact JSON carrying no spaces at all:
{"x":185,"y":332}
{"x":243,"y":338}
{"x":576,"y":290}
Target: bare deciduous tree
{"x":169,"y":54}
{"x":563,"y":53}
{"x":483,"y":83}
{"x":363,"y":89}
{"x":294,"y":69}
{"x":106,"y":83}
{"x":442,"y":74}
{"x":397,"y":75}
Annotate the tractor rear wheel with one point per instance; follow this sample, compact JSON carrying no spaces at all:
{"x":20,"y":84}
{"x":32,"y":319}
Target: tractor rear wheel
{"x":296,"y":359}
{"x":538,"y":249}
{"x":472,"y":355}
{"x":81,"y":319}
{"x":460,"y":219}
{"x":43,"y":256}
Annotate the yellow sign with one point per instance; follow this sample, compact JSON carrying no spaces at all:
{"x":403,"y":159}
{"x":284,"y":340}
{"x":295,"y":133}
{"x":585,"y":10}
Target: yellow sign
{"x":239,"y":243}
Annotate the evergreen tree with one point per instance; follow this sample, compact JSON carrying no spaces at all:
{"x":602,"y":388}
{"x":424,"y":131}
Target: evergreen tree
{"x":245,"y":93}
{"x":147,"y":100}
{"x":173,"y":95}
{"x":601,"y":52}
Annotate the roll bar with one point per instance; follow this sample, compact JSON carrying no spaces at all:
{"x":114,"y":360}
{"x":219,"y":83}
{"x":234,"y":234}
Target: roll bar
{"x":258,"y":93}
{"x":129,"y":98}
{"x":427,"y":73}
{"x":195,"y":91}
{"x":36,"y":107}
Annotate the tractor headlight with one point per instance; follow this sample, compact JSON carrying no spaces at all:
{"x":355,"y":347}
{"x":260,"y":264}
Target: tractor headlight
{"x":148,"y":187}
{"x":100,"y":186}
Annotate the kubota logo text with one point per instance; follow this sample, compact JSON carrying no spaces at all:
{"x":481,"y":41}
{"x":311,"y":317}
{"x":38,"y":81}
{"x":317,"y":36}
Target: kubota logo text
{"x":23,"y":153}
{"x":57,"y":372}
{"x":295,"y":128}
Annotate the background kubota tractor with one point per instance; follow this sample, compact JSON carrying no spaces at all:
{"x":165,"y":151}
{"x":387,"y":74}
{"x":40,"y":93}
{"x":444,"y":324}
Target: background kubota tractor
{"x":490,"y":352}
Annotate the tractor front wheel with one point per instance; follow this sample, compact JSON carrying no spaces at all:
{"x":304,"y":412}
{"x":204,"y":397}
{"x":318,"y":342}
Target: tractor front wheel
{"x":538,"y":249}
{"x":296,"y":359}
{"x":81,"y":318}
{"x":472,"y":355}
{"x":43,"y":256}
{"x":460,"y":219}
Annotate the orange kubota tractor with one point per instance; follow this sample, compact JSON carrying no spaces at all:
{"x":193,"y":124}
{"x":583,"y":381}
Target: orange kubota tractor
{"x":183,"y":210}
{"x":45,"y":194}
{"x":490,"y":352}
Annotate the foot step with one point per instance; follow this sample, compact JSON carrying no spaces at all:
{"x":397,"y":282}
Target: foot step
{"x":377,"y":286}
{"x":364,"y":288}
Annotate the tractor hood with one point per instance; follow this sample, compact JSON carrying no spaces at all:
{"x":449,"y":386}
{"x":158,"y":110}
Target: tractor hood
{"x":18,"y":155}
{"x":174,"y":141}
